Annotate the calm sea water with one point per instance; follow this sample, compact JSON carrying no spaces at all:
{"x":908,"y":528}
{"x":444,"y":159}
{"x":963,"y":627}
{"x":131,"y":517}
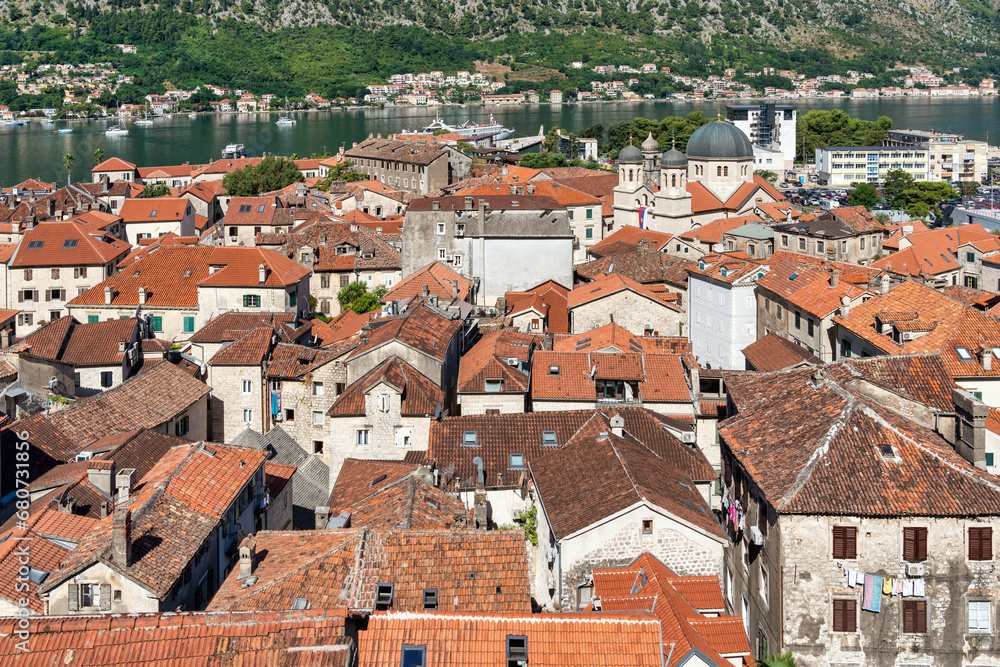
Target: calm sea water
{"x":36,"y":151}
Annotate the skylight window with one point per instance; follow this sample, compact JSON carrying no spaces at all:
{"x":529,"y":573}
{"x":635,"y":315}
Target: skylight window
{"x":300,"y":603}
{"x":70,"y":243}
{"x":886,"y":450}
{"x":469,"y":439}
{"x":963,"y":354}
{"x":35,"y":245}
{"x":383,"y":596}
{"x":517,"y":461}
{"x":260,"y":209}
{"x":245,"y":208}
{"x":153,"y":213}
{"x":549,"y":439}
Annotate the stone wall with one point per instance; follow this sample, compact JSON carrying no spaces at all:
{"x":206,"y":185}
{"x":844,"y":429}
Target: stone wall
{"x":631,"y":311}
{"x":229,"y":401}
{"x":478,"y":404}
{"x":299,"y":396}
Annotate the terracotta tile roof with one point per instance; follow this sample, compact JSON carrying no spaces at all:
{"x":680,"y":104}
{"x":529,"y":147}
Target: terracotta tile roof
{"x":612,"y":284}
{"x":69,"y":341}
{"x":113,"y":164}
{"x":774,"y":353}
{"x":231,"y":326}
{"x":553,"y":295}
{"x":66,"y":244}
{"x":357,"y":480}
{"x":660,"y":377}
{"x":972,"y":297}
{"x":295,"y":361}
{"x":323,"y":567}
{"x":171,"y":275}
{"x":42,"y":554}
{"x":711,"y":233}
{"x":421,"y":397}
{"x":250,"y":350}
{"x":729,"y":267}
{"x":642,"y":266}
{"x":257,"y":211}
{"x":420,"y":327}
{"x":146,"y":400}
{"x":7,"y":251}
{"x":395,"y":151}
{"x":806,"y":282}
{"x":931,"y":252}
{"x":955,"y":326}
{"x":208,"y":482}
{"x":342,"y":327}
{"x":163,"y":209}
{"x":97,"y":220}
{"x":439,"y":280}
{"x":622,"y":639}
{"x":574,"y":498}
{"x":488,"y":360}
{"x":498,"y":436}
{"x":34,"y":185}
{"x":563,"y":194}
{"x":293,"y":638}
{"x":777,"y":211}
{"x":52,"y":523}
{"x":610,"y":337}
{"x":919,"y":377}
{"x":277,"y":476}
{"x":813,"y":448}
{"x":411,"y":503}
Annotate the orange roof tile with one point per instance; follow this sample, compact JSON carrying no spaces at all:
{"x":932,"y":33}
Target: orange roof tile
{"x":66,"y":244}
{"x":162,"y":209}
{"x":612,"y":284}
{"x":439,"y":280}
{"x":712,"y":232}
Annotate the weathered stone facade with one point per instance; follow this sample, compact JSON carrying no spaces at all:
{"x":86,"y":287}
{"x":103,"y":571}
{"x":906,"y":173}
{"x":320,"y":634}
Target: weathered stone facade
{"x":632,"y":311}
{"x":314,"y":393}
{"x":230,"y":403}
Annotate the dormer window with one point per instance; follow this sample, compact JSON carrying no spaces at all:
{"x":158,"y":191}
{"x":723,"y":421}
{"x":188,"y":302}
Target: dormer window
{"x":260,"y":209}
{"x":469,"y":439}
{"x":517,"y":650}
{"x":383,"y":596}
{"x":494,"y":386}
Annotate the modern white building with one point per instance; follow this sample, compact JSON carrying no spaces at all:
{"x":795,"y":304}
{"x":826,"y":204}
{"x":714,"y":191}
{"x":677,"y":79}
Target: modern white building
{"x":722,"y":309}
{"x":952,"y":157}
{"x":768,"y":126}
{"x":844,"y":165}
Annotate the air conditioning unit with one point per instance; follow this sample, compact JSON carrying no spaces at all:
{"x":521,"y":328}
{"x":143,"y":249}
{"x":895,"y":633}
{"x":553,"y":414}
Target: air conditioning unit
{"x":688,"y":437}
{"x":512,"y":362}
{"x":914,"y":569}
{"x":756,"y":536}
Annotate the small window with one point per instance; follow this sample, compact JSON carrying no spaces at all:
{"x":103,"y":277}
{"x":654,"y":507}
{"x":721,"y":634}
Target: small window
{"x":517,"y":650}
{"x":517,"y":461}
{"x":245,"y":208}
{"x":845,"y":615}
{"x":979,"y":616}
{"x":981,"y":543}
{"x":590,"y":232}
{"x":70,"y":243}
{"x":157,"y":322}
{"x":317,"y":418}
{"x":549,"y":439}
{"x":290,"y":415}
{"x":440,"y":228}
{"x":93,"y":319}
{"x":317,"y":388}
{"x":430,"y":599}
{"x":970,"y":257}
{"x":152,"y":213}
{"x":963,"y":354}
{"x":247,"y":386}
{"x":914,"y":545}
{"x":383,"y":596}
{"x":251,"y":301}
{"x":189,"y":324}
{"x":363,"y":437}
{"x":469,"y":439}
{"x":647,"y":526}
{"x":915,"y":617}
{"x":36,"y":245}
{"x":845,"y":542}
{"x":260,"y":209}
{"x":317,"y":446}
{"x":248,"y":416}
{"x":413,"y":656}
{"x":763,"y":584}
{"x":107,"y":378}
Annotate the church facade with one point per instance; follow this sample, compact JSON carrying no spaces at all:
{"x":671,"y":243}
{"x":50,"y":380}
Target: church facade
{"x":674,"y":193}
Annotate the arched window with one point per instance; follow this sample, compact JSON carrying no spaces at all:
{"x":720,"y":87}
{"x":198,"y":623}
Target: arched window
{"x":725,"y":171}
{"x":718,"y":171}
{"x":629,"y":175}
{"x":673,"y":181}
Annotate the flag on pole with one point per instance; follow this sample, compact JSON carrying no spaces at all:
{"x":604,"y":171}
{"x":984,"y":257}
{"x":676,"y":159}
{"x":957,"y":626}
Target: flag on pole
{"x":643,"y":212}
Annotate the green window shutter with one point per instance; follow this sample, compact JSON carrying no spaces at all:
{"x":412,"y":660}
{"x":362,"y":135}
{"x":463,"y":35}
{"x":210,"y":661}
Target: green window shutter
{"x":157,"y":323}
{"x":93,"y":319}
{"x":292,"y":298}
{"x":970,"y":257}
{"x":590,"y":232}
{"x":590,"y":213}
{"x":189,"y":324}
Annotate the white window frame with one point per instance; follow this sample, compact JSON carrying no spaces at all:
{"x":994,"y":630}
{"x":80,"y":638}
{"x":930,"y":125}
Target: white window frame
{"x":975,"y":618}
{"x":247,"y":387}
{"x":247,"y":415}
{"x":362,"y":437}
{"x":317,"y":389}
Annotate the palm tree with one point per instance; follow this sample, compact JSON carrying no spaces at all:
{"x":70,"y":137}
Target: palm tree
{"x":775,"y":660}
{"x":98,"y":156}
{"x":68,"y":162}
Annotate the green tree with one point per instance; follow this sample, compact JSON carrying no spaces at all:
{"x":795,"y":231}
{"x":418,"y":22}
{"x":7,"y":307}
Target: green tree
{"x":98,"y":156}
{"x":865,"y":194}
{"x":542,"y":160}
{"x":340,"y":172}
{"x":767,"y":175}
{"x":68,"y":163}
{"x":272,"y":173}
{"x":775,"y":660}
{"x":154,"y":190}
{"x":896,"y":183}
{"x":926,"y":197}
{"x":356,"y":297}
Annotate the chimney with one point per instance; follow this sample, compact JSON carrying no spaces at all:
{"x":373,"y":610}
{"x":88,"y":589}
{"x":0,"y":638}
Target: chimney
{"x":125,"y":482}
{"x":322,"y":517}
{"x":531,"y":188}
{"x":479,"y":504}
{"x":70,"y":210}
{"x":121,"y":347}
{"x":248,"y":552}
{"x":986,"y":358}
{"x":884,"y":289}
{"x":970,"y":425}
{"x":460,"y":519}
{"x":100,"y":475}
{"x":617,"y":425}
{"x":52,"y":207}
{"x":436,"y":205}
{"x":121,"y":536}
{"x":454,"y":286}
{"x":107,"y":295}
{"x":5,"y":338}
{"x":835,"y":278}
{"x":513,"y":189}
{"x":907,"y":230}
{"x":468,"y":203}
{"x":818,"y":378}
{"x":29,"y":222}
{"x":262,"y":273}
{"x":104,"y":509}
{"x":142,"y":296}
{"x":69,"y":506}
{"x":424,"y":291}
{"x":482,"y":214}
{"x":845,"y":306}
{"x":547,"y":342}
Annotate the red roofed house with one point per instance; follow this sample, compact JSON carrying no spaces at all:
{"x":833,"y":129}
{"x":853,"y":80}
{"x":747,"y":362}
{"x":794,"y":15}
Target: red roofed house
{"x":149,"y":218}
{"x":628,"y":303}
{"x":493,"y":375}
{"x":170,"y":539}
{"x":184,"y":287}
{"x":248,"y":216}
{"x":541,"y":309}
{"x":846,"y":234}
{"x":115,"y":169}
{"x":54,"y":263}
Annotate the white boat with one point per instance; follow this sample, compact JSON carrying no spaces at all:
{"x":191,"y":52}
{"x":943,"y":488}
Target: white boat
{"x":285,"y":121}
{"x":192,"y":115}
{"x":469,"y":129}
{"x":116,"y":131}
{"x":65,"y":129}
{"x":145,"y":120}
{"x":234,"y":151}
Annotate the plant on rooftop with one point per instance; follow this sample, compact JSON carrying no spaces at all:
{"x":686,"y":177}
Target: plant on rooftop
{"x":356,"y":297}
{"x":529,"y":522}
{"x":154,"y":190}
{"x":340,"y":172}
{"x":775,"y":660}
{"x":272,"y":173}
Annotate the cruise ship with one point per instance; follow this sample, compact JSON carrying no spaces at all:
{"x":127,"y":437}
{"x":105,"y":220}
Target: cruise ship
{"x":468,"y":129}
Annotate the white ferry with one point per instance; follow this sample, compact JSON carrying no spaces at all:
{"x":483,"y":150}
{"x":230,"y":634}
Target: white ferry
{"x":468,"y":129}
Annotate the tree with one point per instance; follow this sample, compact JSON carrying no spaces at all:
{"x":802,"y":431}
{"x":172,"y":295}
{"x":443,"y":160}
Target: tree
{"x":68,"y":163}
{"x":340,"y":172}
{"x":768,"y":176}
{"x":926,"y":197}
{"x":98,"y":156}
{"x":154,"y":190}
{"x":542,"y":160}
{"x":775,"y":660}
{"x":272,"y":173}
{"x":865,"y":194}
{"x":896,"y":183}
{"x":969,"y":188}
{"x":356,"y":297}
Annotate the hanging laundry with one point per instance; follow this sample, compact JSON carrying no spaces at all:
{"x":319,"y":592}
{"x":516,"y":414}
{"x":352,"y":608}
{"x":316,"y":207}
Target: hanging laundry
{"x":859,"y":578}
{"x":907,"y":588}
{"x":871,"y":600}
{"x":918,"y":588}
{"x":850,"y":578}
{"x":897,"y":588}
{"x":887,"y":586}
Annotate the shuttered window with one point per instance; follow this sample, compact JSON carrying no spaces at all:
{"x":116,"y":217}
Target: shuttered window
{"x":915,"y":617}
{"x":914,"y":545}
{"x":845,"y":616}
{"x":845,"y":542}
{"x":981,"y":543}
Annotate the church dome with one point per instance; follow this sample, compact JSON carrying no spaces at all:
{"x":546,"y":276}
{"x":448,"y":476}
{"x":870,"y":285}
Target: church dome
{"x":719,"y":140}
{"x":650,"y":144}
{"x":673,"y":158}
{"x":630,"y":154}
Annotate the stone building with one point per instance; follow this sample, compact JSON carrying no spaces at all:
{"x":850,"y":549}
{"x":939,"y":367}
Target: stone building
{"x":648,"y":497}
{"x":814,"y":540}
{"x":150,"y":218}
{"x":409,"y":166}
{"x":846,"y":234}
{"x":247,"y":217}
{"x":505,"y":242}
{"x":493,"y":375}
{"x":236,"y":375}
{"x":629,"y":304}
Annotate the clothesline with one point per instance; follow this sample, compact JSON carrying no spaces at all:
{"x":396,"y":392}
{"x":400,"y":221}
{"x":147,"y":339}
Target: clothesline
{"x":875,"y":586}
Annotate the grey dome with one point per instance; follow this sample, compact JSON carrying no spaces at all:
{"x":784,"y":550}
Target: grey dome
{"x":630,"y":154}
{"x":719,"y":140}
{"x":650,"y":144}
{"x":673,"y":158}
